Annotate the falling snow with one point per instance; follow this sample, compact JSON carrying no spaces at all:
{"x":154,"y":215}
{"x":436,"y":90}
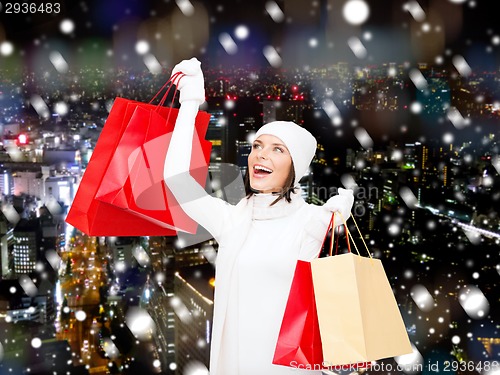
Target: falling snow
{"x":67,"y":26}
{"x":61,"y":108}
{"x":416,"y":11}
{"x":140,"y":323}
{"x":36,"y":343}
{"x":408,"y":197}
{"x":272,"y":56}
{"x":363,"y":138}
{"x":357,"y":47}
{"x":186,"y":7}
{"x":241,"y":32}
{"x":6,"y":48}
{"x":418,"y":79}
{"x":356,"y":12}
{"x":456,"y":118}
{"x":461,"y":65}
{"x":228,"y":43}
{"x":474,"y":302}
{"x":195,"y":368}
{"x":422,"y":298}
{"x":40,"y":106}
{"x":275,"y":11}
{"x":142,"y":47}
{"x":332,"y":111}
{"x":441,"y":254}
{"x":28,"y":285}
{"x":59,"y":62}
{"x":410,"y":363}
{"x":80,"y":315}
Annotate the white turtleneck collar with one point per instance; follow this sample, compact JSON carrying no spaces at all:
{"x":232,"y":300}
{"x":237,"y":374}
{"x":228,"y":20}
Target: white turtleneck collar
{"x":262,"y":209}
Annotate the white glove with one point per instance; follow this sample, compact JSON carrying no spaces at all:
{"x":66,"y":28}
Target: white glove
{"x":341,"y":203}
{"x":192,"y":84}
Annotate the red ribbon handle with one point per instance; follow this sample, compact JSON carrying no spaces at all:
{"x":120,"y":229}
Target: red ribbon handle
{"x":330,"y":226}
{"x":169,"y":83}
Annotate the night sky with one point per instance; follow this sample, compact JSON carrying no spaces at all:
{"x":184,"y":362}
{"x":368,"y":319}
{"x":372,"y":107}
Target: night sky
{"x":312,"y":33}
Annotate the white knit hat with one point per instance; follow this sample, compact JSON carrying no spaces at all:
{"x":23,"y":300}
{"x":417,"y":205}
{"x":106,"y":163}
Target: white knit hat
{"x":300,"y":143}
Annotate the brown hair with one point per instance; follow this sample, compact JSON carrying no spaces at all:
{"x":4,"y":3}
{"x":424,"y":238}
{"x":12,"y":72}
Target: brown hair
{"x":285,"y":192}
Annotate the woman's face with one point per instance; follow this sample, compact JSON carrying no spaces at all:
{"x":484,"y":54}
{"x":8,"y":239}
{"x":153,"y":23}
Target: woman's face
{"x":269,"y":164}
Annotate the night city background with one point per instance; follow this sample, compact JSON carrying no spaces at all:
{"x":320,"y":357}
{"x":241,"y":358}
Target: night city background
{"x":402,"y":96}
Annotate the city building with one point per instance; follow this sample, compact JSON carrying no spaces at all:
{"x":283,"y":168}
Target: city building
{"x":284,"y":110}
{"x":63,"y":159}
{"x":163,"y":262}
{"x":60,"y":188}
{"x":36,"y":306}
{"x":6,"y":247}
{"x":217,"y":132}
{"x":122,"y":251}
{"x":28,"y":183}
{"x":6,"y":183}
{"x":27,"y":246}
{"x":193,"y":319}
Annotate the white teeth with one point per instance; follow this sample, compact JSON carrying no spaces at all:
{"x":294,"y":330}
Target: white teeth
{"x":259,"y":167}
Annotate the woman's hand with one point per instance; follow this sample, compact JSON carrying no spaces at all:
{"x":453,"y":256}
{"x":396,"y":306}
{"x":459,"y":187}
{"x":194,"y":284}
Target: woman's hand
{"x":342,"y":204}
{"x":191,"y":84}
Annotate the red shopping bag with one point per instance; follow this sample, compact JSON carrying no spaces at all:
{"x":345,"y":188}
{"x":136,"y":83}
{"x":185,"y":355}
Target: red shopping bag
{"x":299,"y":342}
{"x":141,"y":153}
{"x":97,"y":218}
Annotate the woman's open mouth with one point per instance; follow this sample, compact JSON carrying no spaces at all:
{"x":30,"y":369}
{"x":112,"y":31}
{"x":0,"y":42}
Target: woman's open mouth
{"x":261,"y":171}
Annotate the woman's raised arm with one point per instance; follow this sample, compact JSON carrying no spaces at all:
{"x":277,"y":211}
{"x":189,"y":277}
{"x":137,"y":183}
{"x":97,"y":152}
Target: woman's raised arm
{"x":206,"y":210}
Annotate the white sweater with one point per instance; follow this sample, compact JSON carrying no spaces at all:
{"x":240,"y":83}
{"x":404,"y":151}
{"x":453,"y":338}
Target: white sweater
{"x":259,"y":246}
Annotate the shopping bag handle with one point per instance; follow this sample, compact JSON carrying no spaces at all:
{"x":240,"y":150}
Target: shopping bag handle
{"x":338,"y":236}
{"x":337,"y":241}
{"x":169,"y":83}
{"x":331,"y":226}
{"x":360,"y":235}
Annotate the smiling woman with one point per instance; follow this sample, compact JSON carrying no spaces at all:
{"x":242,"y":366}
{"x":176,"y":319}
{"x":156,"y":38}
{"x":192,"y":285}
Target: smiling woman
{"x":281,"y":154}
{"x":260,"y":239}
{"x":269,"y":164}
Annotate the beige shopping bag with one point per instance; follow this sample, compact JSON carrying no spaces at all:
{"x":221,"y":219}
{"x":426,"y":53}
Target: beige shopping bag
{"x":359,"y":319}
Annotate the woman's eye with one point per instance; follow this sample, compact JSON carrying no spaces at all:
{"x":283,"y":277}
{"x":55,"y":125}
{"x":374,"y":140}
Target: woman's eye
{"x":279,"y":149}
{"x":256,"y":145}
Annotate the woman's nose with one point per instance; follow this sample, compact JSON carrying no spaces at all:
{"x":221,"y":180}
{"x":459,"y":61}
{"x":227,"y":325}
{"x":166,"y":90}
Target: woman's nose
{"x":262,"y":154}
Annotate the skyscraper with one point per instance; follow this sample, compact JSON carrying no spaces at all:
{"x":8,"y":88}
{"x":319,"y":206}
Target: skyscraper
{"x":217,"y":134}
{"x":26,"y":249}
{"x":6,"y":246}
{"x":193,"y":322}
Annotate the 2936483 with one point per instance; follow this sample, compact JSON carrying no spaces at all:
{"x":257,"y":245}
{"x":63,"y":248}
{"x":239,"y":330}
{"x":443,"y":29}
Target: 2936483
{"x":486,"y":366}
{"x":31,"y":8}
